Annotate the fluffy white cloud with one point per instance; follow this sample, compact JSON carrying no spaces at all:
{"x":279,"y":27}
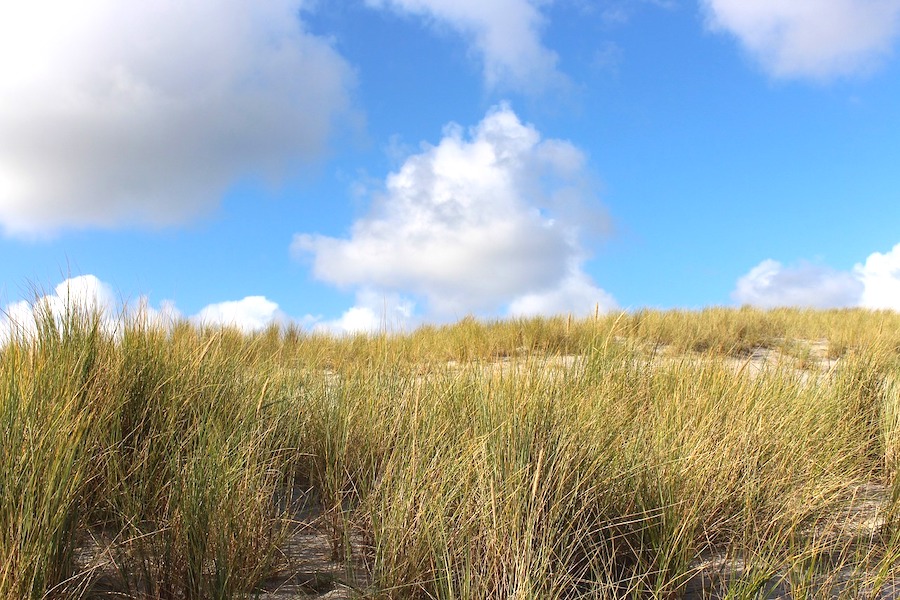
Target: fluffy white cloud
{"x":17,"y":320}
{"x":253,"y":313}
{"x":810,"y":38}
{"x":505,"y":33}
{"x":372,"y":313}
{"x":771,"y":284}
{"x":166,"y":316}
{"x":145,"y":112}
{"x":471,"y":224}
{"x":873,"y":284}
{"x":83,"y":294}
{"x":89,"y":294}
{"x":576,"y":295}
{"x":880,"y":275}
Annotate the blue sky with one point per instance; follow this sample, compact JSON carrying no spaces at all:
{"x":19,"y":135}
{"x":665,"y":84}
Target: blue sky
{"x":348,"y":163}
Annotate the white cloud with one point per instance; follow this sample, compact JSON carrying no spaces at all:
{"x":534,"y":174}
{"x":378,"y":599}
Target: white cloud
{"x":816,"y":39}
{"x":16,"y":321}
{"x":88,"y":294}
{"x":471,"y":224}
{"x":608,"y":57}
{"x":84,"y":291}
{"x":873,"y":284}
{"x":372,"y":313}
{"x":83,"y":294}
{"x":576,"y":294}
{"x":880,"y":275}
{"x":166,"y":316}
{"x":253,"y":313}
{"x":771,"y":284}
{"x":145,"y":112}
{"x":505,"y":33}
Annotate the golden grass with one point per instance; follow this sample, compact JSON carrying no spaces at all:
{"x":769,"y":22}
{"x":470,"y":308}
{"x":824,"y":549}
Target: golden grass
{"x":463,"y":461}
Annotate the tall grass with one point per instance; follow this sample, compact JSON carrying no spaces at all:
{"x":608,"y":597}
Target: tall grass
{"x":612,"y":457}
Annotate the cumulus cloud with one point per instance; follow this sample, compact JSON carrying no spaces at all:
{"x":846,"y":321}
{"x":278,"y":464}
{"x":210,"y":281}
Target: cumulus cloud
{"x":816,"y":39}
{"x":145,"y":112}
{"x":371,"y":313}
{"x":771,"y":284}
{"x":880,"y":275}
{"x":873,"y":284}
{"x":472,"y":224}
{"x":84,"y":294}
{"x":166,"y":316}
{"x":504,"y":33}
{"x":17,"y":321}
{"x":576,"y":294}
{"x":90,"y":295}
{"x":253,"y":313}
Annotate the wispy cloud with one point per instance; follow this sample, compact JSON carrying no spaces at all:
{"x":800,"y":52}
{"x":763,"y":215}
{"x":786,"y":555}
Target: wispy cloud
{"x":489,"y":221}
{"x":608,"y":57}
{"x":145,"y":112}
{"x":505,"y":34}
{"x":817,"y":39}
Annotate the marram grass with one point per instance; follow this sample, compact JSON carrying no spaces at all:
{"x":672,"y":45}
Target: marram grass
{"x":637,"y":455}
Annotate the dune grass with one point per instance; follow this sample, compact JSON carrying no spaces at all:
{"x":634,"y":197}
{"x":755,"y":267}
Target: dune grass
{"x":624,"y":456}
